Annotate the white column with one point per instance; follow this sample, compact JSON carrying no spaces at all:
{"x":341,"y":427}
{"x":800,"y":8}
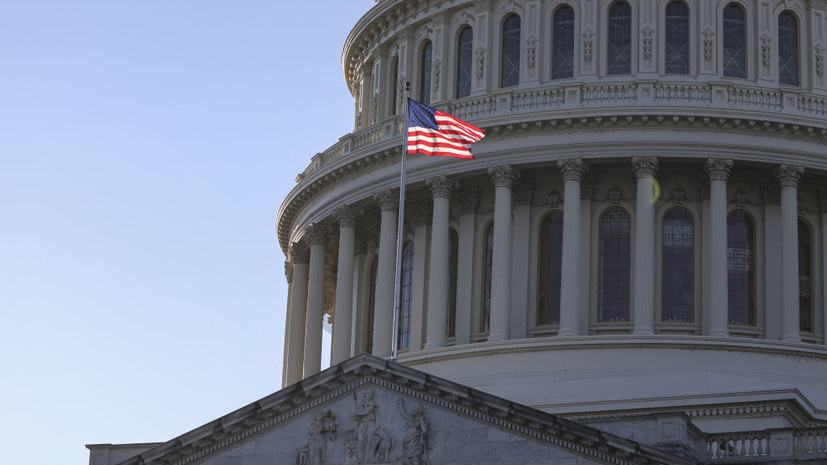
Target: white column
{"x":588,"y":296}
{"x":420,"y":218}
{"x":288,"y":273}
{"x":718,"y":170}
{"x":644,"y":296}
{"x":520,"y":238}
{"x":298,"y":313}
{"x":789,"y":176}
{"x":317,"y":234}
{"x":465,"y":263}
{"x":388,"y":201}
{"x":343,"y":311}
{"x":572,"y":172}
{"x":441,"y":188}
{"x":503,"y":177}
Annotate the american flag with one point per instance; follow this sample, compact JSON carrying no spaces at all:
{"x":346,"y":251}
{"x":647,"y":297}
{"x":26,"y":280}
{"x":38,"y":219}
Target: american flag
{"x":433,"y":132}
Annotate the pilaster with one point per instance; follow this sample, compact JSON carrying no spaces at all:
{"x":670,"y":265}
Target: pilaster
{"x":572,"y":171}
{"x":645,"y":169}
{"x":718,"y":171}
{"x":789,"y":177}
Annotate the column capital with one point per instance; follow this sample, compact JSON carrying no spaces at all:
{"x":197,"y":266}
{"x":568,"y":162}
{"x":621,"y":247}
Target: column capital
{"x":587,"y":185}
{"x":346,"y":215}
{"x":317,"y":234}
{"x":387,"y":199}
{"x":421,"y":213}
{"x":300,"y":253}
{"x":522,"y":193}
{"x":441,"y":186}
{"x":789,"y":175}
{"x":718,"y":168}
{"x":468,"y":201}
{"x":288,"y":271}
{"x":572,"y":169}
{"x":503,"y":175}
{"x":645,"y":167}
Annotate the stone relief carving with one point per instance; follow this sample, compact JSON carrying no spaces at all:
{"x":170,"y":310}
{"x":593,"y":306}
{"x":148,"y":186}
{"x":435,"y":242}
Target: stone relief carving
{"x":481,"y":61}
{"x":588,"y":43}
{"x":647,"y":33}
{"x":416,"y":443}
{"x":553,"y":198}
{"x":789,"y":175}
{"x":321,"y":440}
{"x":437,"y":65}
{"x":531,"y":50}
{"x":766,"y":40}
{"x":818,"y":50}
{"x":400,"y":92}
{"x":678,"y":195}
{"x":708,"y":34}
{"x":615,"y":195}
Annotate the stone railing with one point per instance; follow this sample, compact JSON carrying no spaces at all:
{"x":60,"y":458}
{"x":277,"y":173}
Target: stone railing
{"x":811,"y":443}
{"x":512,"y":103}
{"x":739,"y":447}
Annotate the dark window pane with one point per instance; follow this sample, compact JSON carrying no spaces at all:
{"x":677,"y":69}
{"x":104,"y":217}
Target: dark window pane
{"x":562,"y":42}
{"x":489,"y":256}
{"x":741,"y":268}
{"x":464,"y":59}
{"x":405,"y":296}
{"x":453,"y":246}
{"x":678,"y":241}
{"x":805,"y":277}
{"x":677,"y":38}
{"x":425,"y":74}
{"x":393,"y":84}
{"x":620,"y":39}
{"x":372,"y":303}
{"x":735,"y":42}
{"x":510,"y":73}
{"x":787,"y":49}
{"x":551,"y":259}
{"x":615,"y":263}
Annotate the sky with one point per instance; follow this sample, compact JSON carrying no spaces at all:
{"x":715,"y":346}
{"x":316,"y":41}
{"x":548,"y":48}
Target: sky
{"x":145,"y":148}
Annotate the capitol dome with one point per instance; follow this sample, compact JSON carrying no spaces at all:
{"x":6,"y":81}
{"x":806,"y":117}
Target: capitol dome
{"x":642,"y":235}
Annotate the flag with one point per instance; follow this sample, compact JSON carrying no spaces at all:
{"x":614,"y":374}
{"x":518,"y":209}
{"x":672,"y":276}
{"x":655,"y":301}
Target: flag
{"x":434,"y":132}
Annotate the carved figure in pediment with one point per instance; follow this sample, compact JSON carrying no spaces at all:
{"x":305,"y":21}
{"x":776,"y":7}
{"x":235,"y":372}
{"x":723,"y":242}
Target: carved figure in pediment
{"x":320,"y":442}
{"x":415,"y":445}
{"x":365,"y":420}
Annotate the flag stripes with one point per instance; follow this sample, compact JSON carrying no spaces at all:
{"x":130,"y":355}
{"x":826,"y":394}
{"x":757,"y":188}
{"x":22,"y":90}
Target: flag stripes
{"x":432,"y":132}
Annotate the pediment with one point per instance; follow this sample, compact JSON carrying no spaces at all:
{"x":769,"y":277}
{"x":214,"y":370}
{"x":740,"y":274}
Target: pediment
{"x":367,"y":411}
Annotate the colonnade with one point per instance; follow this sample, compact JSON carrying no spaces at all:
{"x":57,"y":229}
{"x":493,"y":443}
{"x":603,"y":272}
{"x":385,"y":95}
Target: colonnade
{"x":307,"y":283}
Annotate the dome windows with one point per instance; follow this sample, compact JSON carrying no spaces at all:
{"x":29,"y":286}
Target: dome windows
{"x":787,"y":49}
{"x":677,"y":39}
{"x":510,"y":56}
{"x":562,"y":43}
{"x":619,"y":39}
{"x":464,"y":61}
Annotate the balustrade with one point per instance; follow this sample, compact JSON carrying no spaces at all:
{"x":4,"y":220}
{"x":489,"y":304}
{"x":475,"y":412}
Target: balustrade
{"x":747,"y":446}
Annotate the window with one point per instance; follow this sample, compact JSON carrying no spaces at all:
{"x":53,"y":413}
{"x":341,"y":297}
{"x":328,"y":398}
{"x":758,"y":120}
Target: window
{"x":464,"y":62}
{"x":551,"y":259}
{"x":489,"y":257}
{"x":393,"y":84}
{"x":735,"y":42}
{"x":677,"y":265}
{"x":510,"y":70}
{"x":453,"y":247}
{"x":405,"y":294}
{"x":677,"y":38}
{"x":615,"y":264}
{"x":805,"y":277}
{"x":620,"y":39}
{"x":741,"y":267}
{"x":562,"y":43}
{"x":787,"y":49}
{"x":372,"y":304}
{"x":425,"y":74}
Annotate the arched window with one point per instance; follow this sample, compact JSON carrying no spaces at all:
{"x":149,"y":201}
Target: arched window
{"x":374,"y":267}
{"x":741,"y":267}
{"x":562,"y":43}
{"x":425,"y":73}
{"x":551,"y":259}
{"x":510,"y":59}
{"x":393,"y":84}
{"x":464,"y":61}
{"x":805,"y":277}
{"x":787,"y":49}
{"x":620,"y":39}
{"x":735,"y":41}
{"x":405,"y":296}
{"x":677,"y":38}
{"x":489,"y":257}
{"x":677,"y":265}
{"x":615,"y":262}
{"x":453,"y":246}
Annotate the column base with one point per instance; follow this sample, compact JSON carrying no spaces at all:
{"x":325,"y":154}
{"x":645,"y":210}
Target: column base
{"x":791,"y":338}
{"x":494,"y":337}
{"x":567,"y":333}
{"x":719,"y":333}
{"x":434,"y":345}
{"x":643,"y":332}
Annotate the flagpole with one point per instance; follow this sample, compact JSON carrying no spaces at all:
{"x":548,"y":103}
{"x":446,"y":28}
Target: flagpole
{"x":400,"y":224}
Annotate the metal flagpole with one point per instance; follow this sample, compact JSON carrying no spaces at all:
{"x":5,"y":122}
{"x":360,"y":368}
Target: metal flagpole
{"x":401,"y":221}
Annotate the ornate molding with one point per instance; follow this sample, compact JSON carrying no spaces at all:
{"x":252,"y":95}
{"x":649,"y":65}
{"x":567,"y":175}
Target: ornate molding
{"x":388,"y":200}
{"x":437,"y":66}
{"x":741,"y":198}
{"x":615,"y":195}
{"x":818,"y":55}
{"x":503,"y":175}
{"x":647,"y":34}
{"x":552,"y":199}
{"x":288,"y":271}
{"x":766,"y":41}
{"x":709,"y":43}
{"x":300,"y":253}
{"x":317,"y":233}
{"x":588,"y":44}
{"x":587,"y":186}
{"x":481,"y":61}
{"x":718,"y":168}
{"x":346,"y":216}
{"x":468,"y":201}
{"x":441,"y":186}
{"x":678,"y":195}
{"x":522,"y":193}
{"x":789,"y":175}
{"x":531,"y":50}
{"x":645,"y":167}
{"x":572,"y":169}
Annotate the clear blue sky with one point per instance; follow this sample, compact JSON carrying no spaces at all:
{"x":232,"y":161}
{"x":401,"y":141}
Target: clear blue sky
{"x":145,"y":147}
